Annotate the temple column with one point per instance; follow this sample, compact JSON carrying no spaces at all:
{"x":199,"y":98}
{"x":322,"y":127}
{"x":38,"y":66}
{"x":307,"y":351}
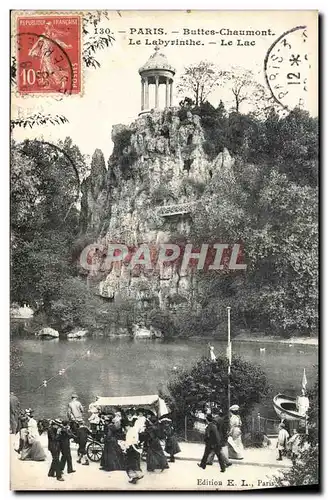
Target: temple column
{"x":171,"y":92}
{"x":167,"y":94}
{"x":142,"y":94}
{"x":156,"y":92}
{"x":146,"y":94}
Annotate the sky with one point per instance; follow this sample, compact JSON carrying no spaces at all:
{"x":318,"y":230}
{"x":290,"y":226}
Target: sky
{"x":112,"y":93}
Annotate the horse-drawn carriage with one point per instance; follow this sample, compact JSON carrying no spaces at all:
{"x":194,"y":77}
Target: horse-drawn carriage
{"x":107,"y":405}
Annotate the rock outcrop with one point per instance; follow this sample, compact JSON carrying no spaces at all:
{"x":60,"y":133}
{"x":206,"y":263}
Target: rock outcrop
{"x":155,"y":180}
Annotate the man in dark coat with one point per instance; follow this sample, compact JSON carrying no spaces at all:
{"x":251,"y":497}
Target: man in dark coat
{"x":213,"y":441}
{"x":54,"y":448}
{"x":65,"y":435}
{"x":222,"y":424}
{"x":14,"y":413}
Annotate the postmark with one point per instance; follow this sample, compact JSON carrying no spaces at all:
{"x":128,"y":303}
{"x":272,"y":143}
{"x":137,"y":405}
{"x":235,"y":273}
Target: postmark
{"x":287,"y":68}
{"x":49,"y":54}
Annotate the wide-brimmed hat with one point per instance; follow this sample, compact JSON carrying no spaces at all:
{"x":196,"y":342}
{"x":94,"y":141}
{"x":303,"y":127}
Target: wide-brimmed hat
{"x":234,"y":408}
{"x":57,"y":421}
{"x":74,"y":395}
{"x":165,"y":419}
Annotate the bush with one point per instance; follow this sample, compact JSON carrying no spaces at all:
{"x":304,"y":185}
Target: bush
{"x":207,"y":381}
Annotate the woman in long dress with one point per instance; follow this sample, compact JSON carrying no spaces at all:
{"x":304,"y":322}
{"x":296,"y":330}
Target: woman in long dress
{"x":235,"y":444}
{"x":112,"y":457}
{"x":171,"y":442}
{"x":30,"y":447}
{"x":133,"y":453}
{"x":155,"y":454}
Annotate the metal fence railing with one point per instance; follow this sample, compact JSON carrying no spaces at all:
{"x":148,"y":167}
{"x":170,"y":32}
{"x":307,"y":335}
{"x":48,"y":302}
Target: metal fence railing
{"x":253,"y":429}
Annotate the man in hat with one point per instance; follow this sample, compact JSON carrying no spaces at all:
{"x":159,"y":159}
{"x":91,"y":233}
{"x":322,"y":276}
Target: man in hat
{"x":222,"y":424}
{"x":54,"y":448}
{"x":64,"y":442}
{"x":75,"y":413}
{"x":213,"y":441}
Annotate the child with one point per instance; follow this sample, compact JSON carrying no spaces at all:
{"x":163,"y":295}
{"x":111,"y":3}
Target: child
{"x":294,"y":444}
{"x":282,"y":440}
{"x":82,"y":434}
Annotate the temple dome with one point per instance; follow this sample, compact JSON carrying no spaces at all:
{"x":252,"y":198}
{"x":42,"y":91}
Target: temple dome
{"x":157,"y":61}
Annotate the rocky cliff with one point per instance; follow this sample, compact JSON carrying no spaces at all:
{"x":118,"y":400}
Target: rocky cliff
{"x":157,"y":174}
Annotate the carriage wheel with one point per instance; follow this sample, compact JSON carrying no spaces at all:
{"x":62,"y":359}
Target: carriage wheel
{"x":94,"y":451}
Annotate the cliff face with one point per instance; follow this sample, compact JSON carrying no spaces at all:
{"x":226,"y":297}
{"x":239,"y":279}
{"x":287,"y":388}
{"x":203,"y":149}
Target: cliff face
{"x":157,"y":174}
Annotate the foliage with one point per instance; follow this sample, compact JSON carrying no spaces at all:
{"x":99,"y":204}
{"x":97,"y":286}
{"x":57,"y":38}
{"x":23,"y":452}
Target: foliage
{"x":267,"y":201}
{"x":207,"y":381}
{"x":76,"y":306}
{"x":37,"y":119}
{"x":244,"y":87}
{"x":92,"y":43}
{"x":198,"y":81}
{"x":44,"y":218}
{"x":123,"y":153}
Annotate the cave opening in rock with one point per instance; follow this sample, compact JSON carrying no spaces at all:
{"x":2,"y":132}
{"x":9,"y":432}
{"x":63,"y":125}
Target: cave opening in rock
{"x":187,"y":164}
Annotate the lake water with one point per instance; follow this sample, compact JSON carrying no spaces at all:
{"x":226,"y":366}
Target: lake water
{"x":123,"y":367}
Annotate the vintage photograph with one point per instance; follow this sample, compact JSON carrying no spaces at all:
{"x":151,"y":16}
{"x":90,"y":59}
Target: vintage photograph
{"x":164,"y":250}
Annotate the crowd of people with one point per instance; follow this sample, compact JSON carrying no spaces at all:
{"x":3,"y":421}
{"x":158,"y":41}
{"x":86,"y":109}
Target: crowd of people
{"x":125,"y":435}
{"x":129,"y":435}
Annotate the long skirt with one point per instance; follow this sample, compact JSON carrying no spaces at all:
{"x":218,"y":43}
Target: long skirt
{"x":235,"y":444}
{"x":172,"y":446}
{"x":33,"y":452}
{"x":155,"y":456}
{"x":112,"y":457}
{"x":133,"y":468}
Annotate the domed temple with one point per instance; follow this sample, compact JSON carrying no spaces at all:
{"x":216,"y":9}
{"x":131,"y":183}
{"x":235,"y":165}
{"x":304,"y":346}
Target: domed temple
{"x":156,"y":71}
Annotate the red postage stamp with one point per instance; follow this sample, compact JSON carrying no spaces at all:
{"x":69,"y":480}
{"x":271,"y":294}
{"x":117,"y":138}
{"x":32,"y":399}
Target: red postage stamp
{"x":49,"y":54}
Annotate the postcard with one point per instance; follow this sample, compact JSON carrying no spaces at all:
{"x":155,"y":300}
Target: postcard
{"x":164,"y":250}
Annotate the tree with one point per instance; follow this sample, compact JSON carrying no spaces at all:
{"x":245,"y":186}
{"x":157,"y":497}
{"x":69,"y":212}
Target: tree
{"x":44,"y":218}
{"x":207,"y":381}
{"x":244,"y":87}
{"x":92,"y":42}
{"x":199,"y":80}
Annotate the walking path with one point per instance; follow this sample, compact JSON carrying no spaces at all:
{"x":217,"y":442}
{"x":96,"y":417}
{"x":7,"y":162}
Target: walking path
{"x":256,"y":471}
{"x":262,"y":457}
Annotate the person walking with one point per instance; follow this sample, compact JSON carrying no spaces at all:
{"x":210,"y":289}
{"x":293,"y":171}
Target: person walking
{"x":75,"y":413}
{"x":133,"y":453}
{"x":82,"y":437}
{"x":282,"y":441}
{"x":222,"y":424}
{"x":235,"y":444}
{"x":64,"y":436}
{"x":14,"y":413}
{"x":171,"y":442}
{"x":213,"y":441}
{"x":156,"y":458}
{"x":112,"y":458}
{"x":54,"y":448}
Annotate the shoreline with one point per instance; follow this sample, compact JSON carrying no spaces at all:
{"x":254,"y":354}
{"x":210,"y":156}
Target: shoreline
{"x":314,"y":341}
